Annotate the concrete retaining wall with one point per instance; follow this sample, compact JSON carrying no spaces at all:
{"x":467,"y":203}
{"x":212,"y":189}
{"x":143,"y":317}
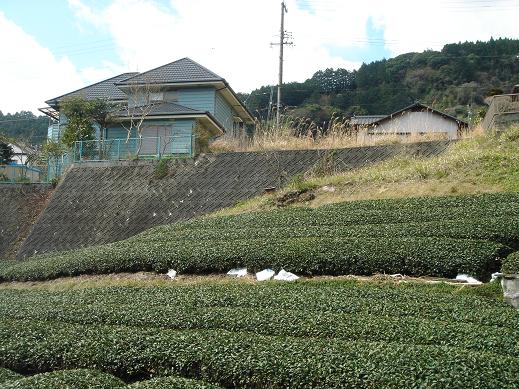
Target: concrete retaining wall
{"x":20,"y":205}
{"x":100,"y":204}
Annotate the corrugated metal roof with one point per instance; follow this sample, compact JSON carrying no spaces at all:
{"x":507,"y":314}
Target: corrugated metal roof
{"x":365,"y":120}
{"x":105,"y":89}
{"x":182,"y":70}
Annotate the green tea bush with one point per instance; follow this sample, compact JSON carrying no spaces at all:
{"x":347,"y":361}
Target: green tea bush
{"x":250,"y":360}
{"x":173,"y":383}
{"x":440,"y":236}
{"x":77,"y":378}
{"x":511,"y":264}
{"x":306,"y":256}
{"x":8,"y":375}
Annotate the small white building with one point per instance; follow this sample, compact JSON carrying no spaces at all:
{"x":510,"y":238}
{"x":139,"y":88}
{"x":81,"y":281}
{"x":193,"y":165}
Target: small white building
{"x":20,"y":154}
{"x":418,"y":119}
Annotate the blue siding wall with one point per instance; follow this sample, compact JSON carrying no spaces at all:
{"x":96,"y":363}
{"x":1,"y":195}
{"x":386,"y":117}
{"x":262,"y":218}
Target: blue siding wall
{"x":223,"y":112}
{"x":201,"y":99}
{"x":182,"y":132}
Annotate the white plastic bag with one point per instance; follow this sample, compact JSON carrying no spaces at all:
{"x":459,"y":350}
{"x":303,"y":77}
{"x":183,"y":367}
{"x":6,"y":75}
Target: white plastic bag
{"x":239,"y":272}
{"x":265,"y":275}
{"x":172,"y":274}
{"x":285,"y":276}
{"x":468,"y":279}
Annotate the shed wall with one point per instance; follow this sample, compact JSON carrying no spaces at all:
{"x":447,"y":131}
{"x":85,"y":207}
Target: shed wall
{"x":416,"y":123}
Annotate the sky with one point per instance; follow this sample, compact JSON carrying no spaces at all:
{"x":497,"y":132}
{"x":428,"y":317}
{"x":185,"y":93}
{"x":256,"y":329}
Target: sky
{"x":52,"y":47}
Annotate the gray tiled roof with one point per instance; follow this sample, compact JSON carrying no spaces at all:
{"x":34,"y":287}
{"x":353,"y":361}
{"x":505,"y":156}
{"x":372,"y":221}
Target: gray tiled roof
{"x":105,"y":89}
{"x":366,"y":120}
{"x":162,"y":108}
{"x":182,"y":70}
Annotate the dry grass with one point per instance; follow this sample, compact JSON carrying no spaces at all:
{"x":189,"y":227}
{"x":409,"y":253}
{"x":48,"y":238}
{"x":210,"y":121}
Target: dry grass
{"x":479,"y":163}
{"x":303,"y":134}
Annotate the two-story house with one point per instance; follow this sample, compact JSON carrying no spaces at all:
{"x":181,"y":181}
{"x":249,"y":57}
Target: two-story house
{"x":165,"y":107}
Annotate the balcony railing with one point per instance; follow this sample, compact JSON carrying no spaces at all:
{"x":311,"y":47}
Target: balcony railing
{"x":133,"y":148}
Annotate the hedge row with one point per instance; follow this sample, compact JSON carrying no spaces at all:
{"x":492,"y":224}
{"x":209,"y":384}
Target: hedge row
{"x":511,"y":264}
{"x":503,"y":230}
{"x":266,"y":321}
{"x":173,"y":383}
{"x":369,"y":212}
{"x":249,"y":360}
{"x":8,"y":375}
{"x":76,"y":378}
{"x":338,"y":297}
{"x":305,"y":256}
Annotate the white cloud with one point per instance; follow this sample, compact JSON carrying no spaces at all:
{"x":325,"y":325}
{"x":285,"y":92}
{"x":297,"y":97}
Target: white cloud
{"x":29,"y":73}
{"x":232,"y":37}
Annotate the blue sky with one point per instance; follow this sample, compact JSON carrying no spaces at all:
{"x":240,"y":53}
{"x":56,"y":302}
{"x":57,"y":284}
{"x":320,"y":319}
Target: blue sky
{"x":54,"y":46}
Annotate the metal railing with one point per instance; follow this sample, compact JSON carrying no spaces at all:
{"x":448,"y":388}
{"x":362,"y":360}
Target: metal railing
{"x":21,"y":174}
{"x":133,"y":148}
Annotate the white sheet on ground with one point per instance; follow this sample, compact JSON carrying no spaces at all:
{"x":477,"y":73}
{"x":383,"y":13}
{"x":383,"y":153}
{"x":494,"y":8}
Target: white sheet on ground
{"x":285,"y":276}
{"x":172,"y":273}
{"x":239,"y":272}
{"x":265,"y":275}
{"x":468,"y":279}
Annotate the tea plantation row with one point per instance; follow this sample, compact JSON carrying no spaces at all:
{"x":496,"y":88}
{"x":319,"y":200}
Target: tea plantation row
{"x":347,"y":298}
{"x":88,"y":378}
{"x":266,"y":321}
{"x":306,"y":334}
{"x":440,"y":236}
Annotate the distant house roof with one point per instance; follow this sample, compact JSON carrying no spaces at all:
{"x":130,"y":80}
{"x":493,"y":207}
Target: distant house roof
{"x":105,"y":89}
{"x":365,"y":120}
{"x":419,"y":107}
{"x":184,"y":70}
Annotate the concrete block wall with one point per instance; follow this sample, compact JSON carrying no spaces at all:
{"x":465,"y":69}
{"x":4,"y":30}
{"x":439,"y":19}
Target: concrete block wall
{"x":20,"y":205}
{"x":99,"y":204}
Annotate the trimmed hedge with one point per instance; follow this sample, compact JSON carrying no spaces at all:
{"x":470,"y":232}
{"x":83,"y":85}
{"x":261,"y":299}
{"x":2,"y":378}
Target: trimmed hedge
{"x":173,"y":383}
{"x":305,"y":256}
{"x":249,"y":360}
{"x":77,"y":378}
{"x":439,"y":302}
{"x":8,"y":375}
{"x":511,"y":264}
{"x":440,"y":236}
{"x":504,"y":230}
{"x":307,"y":334}
{"x":267,"y":321}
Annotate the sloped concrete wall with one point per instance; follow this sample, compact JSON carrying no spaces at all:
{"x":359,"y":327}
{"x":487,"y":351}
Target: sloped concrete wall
{"x":100,"y":204}
{"x":20,"y":205}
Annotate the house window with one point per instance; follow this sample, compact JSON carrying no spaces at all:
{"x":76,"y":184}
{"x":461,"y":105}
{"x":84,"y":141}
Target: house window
{"x":156,"y":96}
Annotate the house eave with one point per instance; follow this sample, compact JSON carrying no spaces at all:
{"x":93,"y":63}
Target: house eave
{"x":206,"y":116}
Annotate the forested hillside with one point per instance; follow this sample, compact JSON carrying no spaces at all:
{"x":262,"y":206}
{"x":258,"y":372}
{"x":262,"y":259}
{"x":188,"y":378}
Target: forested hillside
{"x":455,"y":79}
{"x":24,"y":126}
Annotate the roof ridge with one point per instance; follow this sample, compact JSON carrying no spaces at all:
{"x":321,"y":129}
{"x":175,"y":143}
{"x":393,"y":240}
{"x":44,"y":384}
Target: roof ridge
{"x":143,"y":74}
{"x":91,"y":85}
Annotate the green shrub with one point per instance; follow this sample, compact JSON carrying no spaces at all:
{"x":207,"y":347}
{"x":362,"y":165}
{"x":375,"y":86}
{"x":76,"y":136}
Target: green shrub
{"x":173,"y":383}
{"x":161,"y":169}
{"x":305,"y":256}
{"x":78,"y":378}
{"x":511,"y":264}
{"x":419,"y":236}
{"x":8,"y":375}
{"x":250,"y":360}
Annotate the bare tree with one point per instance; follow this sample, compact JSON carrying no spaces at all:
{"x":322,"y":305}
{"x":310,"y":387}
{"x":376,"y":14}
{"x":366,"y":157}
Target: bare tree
{"x":142,"y":99}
